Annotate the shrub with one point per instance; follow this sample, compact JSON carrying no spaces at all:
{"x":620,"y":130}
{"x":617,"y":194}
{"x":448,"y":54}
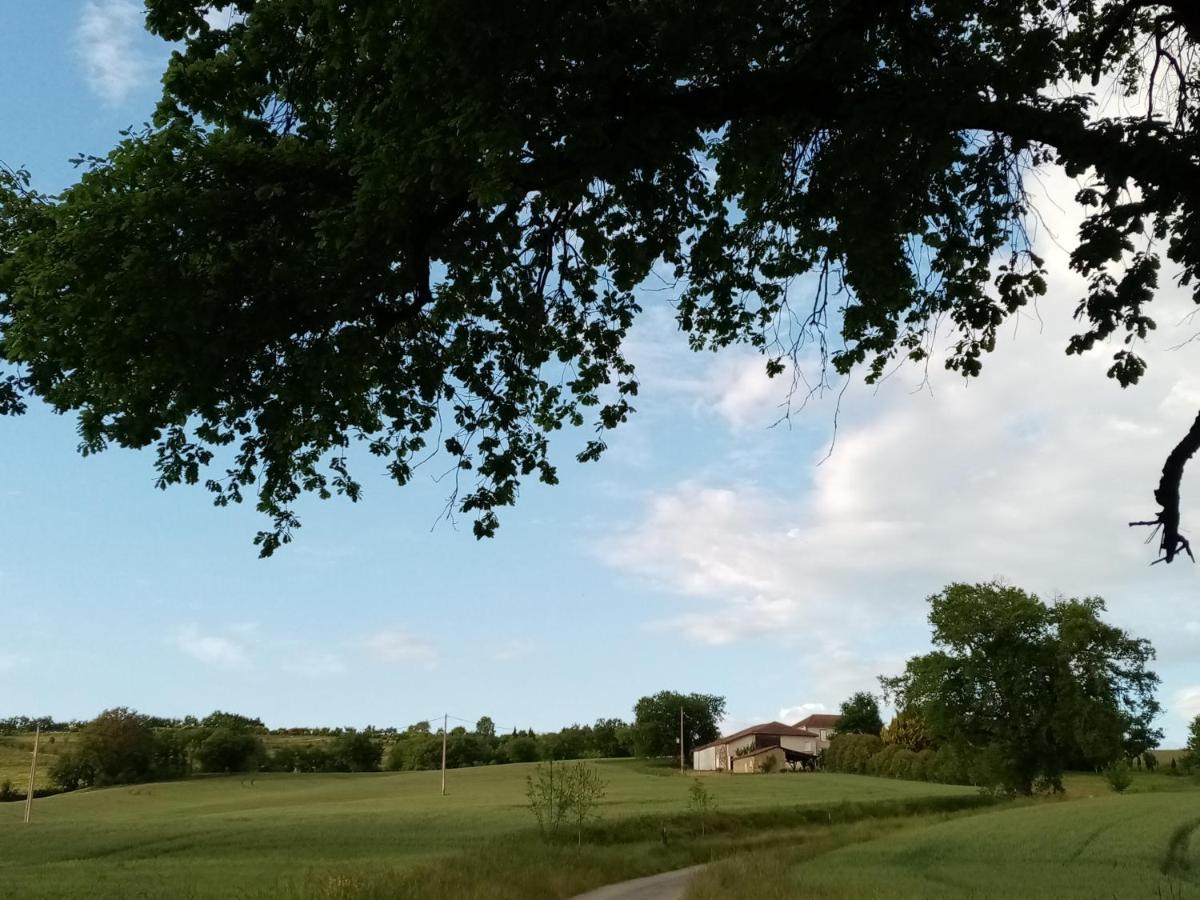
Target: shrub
{"x":701,"y":802}
{"x":1118,"y":775}
{"x":902,"y":764}
{"x":71,"y":771}
{"x":1191,"y":758}
{"x":7,"y":791}
{"x":566,"y":792}
{"x":923,"y":765}
{"x":584,"y":789}
{"x":356,"y":752}
{"x":546,"y":798}
{"x":227,"y":750}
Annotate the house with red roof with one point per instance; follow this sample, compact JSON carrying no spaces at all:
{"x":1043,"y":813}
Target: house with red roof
{"x":823,"y":724}
{"x":770,"y":746}
{"x":750,"y":749}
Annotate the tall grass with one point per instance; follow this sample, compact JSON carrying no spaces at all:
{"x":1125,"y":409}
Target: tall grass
{"x":523,"y":867}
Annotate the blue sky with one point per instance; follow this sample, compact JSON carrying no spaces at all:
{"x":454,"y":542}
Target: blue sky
{"x":706,"y":552}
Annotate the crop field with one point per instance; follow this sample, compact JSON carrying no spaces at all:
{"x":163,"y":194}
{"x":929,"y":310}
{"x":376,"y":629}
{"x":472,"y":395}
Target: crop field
{"x":1133,"y":845}
{"x":259,"y":835}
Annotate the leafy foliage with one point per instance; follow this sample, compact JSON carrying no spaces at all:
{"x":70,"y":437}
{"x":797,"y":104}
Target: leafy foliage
{"x":656,"y":722}
{"x":907,"y":729}
{"x":1192,"y":757}
{"x":860,"y":715}
{"x":1023,"y":690}
{"x":422,"y":227}
{"x":229,"y":750}
{"x":701,"y":802}
{"x":1119,"y":775}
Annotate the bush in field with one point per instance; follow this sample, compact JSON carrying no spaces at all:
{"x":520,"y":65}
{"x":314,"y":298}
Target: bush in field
{"x":7,"y":791}
{"x":862,"y":754}
{"x":547,"y":798}
{"x":117,"y":747}
{"x":851,"y":753}
{"x":227,"y":750}
{"x":71,"y":771}
{"x":356,"y":751}
{"x":880,"y":763}
{"x":520,"y":748}
{"x":1191,"y":758}
{"x":701,"y":802}
{"x":564,"y":793}
{"x":415,"y":750}
{"x":903,"y":764}
{"x":923,"y":765}
{"x":584,"y":789}
{"x":1118,"y":775}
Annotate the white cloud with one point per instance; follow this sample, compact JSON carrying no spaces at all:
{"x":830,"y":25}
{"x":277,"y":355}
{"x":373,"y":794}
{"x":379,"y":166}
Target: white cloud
{"x":219,"y":18}
{"x":1186,"y":703}
{"x":11,"y":660}
{"x":399,"y":646}
{"x":1032,"y":472}
{"x":106,"y":41}
{"x":791,"y":714}
{"x":512,"y":650}
{"x":314,"y":663}
{"x":212,"y":649}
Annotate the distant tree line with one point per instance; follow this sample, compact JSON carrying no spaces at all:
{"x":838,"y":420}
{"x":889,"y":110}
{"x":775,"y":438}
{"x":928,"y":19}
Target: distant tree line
{"x":14,"y":725}
{"x":122,"y":746}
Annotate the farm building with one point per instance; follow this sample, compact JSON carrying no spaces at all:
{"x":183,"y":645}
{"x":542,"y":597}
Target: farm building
{"x":748,"y":749}
{"x":821,"y":723}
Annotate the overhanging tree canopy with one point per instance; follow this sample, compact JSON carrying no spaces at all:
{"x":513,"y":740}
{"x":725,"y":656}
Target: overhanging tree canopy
{"x":421,"y":225}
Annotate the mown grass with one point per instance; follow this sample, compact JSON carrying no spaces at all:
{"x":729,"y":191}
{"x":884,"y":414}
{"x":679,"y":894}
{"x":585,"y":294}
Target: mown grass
{"x":1144,"y":844}
{"x":273,"y":834}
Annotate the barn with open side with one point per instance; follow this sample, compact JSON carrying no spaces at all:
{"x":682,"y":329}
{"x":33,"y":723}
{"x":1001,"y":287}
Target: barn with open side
{"x":747,"y":750}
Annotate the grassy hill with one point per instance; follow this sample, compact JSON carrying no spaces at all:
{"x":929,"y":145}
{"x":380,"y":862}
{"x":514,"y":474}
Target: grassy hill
{"x":1134,"y":845}
{"x":15,"y":754}
{"x":208,"y":837}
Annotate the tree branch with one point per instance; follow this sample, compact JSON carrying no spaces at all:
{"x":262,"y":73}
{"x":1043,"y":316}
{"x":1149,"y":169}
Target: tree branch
{"x":1167,"y":496}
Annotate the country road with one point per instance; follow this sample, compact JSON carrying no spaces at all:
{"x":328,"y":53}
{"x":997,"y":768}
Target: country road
{"x":666,"y":886}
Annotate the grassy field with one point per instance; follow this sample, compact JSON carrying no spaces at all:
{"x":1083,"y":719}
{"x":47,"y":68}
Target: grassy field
{"x":15,"y":754}
{"x":276,"y":834}
{"x":1142,"y":844}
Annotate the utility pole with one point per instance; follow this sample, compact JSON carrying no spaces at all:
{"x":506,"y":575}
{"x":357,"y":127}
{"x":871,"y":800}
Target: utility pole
{"x":680,"y":740}
{"x":445,"y":722}
{"x":37,"y":734}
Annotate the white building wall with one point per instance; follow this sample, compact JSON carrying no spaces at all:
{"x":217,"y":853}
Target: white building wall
{"x":705,"y":760}
{"x":799,"y":744}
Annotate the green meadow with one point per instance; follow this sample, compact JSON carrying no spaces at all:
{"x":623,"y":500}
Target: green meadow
{"x":275,"y":834}
{"x":773,"y":836}
{"x":1145,"y":843}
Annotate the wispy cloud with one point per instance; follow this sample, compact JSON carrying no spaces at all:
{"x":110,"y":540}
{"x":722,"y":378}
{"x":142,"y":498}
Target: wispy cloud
{"x":314,"y":663}
{"x":512,"y":650}
{"x":106,"y":41}
{"x":212,"y":649}
{"x":1031,"y":472}
{"x":1186,"y":703}
{"x":399,"y":646}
